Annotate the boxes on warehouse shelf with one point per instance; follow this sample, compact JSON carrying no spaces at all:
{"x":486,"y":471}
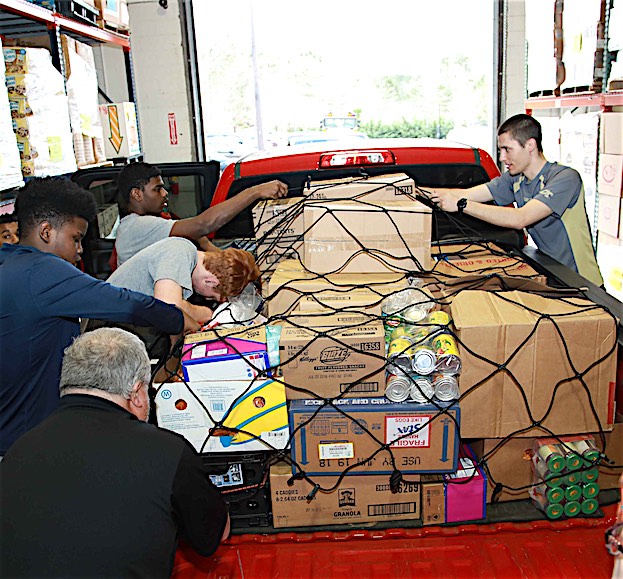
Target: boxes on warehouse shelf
{"x":462,"y":260}
{"x":225,"y":415}
{"x":363,"y":237}
{"x":609,"y":214}
{"x":458,"y":496}
{"x":610,"y":174}
{"x":290,"y":283}
{"x":225,"y":354}
{"x":379,"y":188}
{"x":357,"y":499}
{"x":505,"y":335}
{"x":610,"y":131}
{"x":419,"y":438}
{"x":332,"y":356}
{"x":120,"y":129}
{"x":610,"y":261}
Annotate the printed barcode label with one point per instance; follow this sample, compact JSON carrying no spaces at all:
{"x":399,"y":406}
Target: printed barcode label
{"x":275,"y":434}
{"x":336,"y":450}
{"x":219,"y":352}
{"x":362,"y":387}
{"x":218,"y":405}
{"x":397,"y":509}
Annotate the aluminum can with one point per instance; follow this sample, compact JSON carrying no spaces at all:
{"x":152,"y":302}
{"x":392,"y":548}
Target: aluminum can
{"x":573,"y":493}
{"x":572,"y":508}
{"x":448,"y":361}
{"x":424,"y":360}
{"x":446,"y":387}
{"x":397,"y":388}
{"x":589,"y":452}
{"x":589,"y":506}
{"x":549,"y":478}
{"x":400,"y":353}
{"x":590,"y":490}
{"x":422,"y":389}
{"x":553,"y":458}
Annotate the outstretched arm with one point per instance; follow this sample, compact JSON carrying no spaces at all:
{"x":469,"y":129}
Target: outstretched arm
{"x":215,"y":217}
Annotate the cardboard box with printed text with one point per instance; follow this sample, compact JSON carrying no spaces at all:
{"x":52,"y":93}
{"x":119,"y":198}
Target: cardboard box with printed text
{"x":357,"y":499}
{"x":420,"y":438}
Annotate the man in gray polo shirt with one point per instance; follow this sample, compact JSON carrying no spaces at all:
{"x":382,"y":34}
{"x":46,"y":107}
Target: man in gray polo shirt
{"x":548,"y":198}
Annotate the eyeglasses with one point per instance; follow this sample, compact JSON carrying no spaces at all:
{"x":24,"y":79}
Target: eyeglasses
{"x":613,"y":539}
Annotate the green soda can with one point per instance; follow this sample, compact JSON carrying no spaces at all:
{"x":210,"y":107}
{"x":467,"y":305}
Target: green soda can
{"x":590,"y":475}
{"x":572,"y":458}
{"x":549,"y":478}
{"x":590,"y":490}
{"x":554,"y":495}
{"x":572,"y":508}
{"x":573,"y":493}
{"x":551,"y":455}
{"x":587,"y":449}
{"x":589,"y":506}
{"x":573,"y":478}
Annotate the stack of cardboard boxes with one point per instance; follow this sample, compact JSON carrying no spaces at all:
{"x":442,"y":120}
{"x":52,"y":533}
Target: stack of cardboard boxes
{"x":610,"y":211}
{"x":311,"y":382}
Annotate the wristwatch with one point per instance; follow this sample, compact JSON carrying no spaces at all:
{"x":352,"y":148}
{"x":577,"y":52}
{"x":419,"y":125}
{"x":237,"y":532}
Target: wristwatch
{"x":461,"y":204}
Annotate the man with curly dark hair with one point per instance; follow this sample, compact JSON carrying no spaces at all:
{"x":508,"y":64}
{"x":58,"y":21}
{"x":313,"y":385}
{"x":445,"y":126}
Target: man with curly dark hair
{"x":43,"y":296}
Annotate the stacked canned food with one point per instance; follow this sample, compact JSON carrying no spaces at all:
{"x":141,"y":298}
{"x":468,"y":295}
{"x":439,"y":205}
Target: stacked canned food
{"x":565,"y":475}
{"x":423,"y":360}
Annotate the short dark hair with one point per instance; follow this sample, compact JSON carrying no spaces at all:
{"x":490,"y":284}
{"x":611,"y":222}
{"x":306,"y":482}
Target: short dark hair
{"x":53,"y":199}
{"x":135,"y":175}
{"x":8,"y":218}
{"x":522,"y":128}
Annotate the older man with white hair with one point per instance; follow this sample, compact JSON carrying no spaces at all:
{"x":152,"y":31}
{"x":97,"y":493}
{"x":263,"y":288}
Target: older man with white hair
{"x":95,"y":491}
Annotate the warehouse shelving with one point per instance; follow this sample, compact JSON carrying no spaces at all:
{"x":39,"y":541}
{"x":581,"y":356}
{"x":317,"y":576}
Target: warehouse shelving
{"x":604,"y":100}
{"x":20,"y":19}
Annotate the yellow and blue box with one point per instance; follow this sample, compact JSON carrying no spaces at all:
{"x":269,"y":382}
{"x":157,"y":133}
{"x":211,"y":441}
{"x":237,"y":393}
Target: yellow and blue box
{"x":226,"y":415}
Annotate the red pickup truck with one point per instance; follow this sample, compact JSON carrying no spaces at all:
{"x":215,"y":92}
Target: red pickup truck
{"x":514,"y":540}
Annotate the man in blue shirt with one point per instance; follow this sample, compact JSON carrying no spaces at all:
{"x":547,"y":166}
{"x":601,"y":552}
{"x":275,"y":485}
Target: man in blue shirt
{"x":43,"y":296}
{"x":548,"y":198}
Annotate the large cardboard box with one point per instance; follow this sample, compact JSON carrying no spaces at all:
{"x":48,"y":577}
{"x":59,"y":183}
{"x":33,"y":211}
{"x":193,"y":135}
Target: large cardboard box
{"x":610,"y":175}
{"x":352,"y":431}
{"x":484,"y":263}
{"x":289,"y":284}
{"x":458,"y":496}
{"x":363,"y":237}
{"x":357,"y":499}
{"x":227,"y":415}
{"x":610,"y":131}
{"x":120,"y":130}
{"x":609,"y":214}
{"x":226,"y":354}
{"x":509,"y":350}
{"x":331,"y":356}
{"x":380,"y":188}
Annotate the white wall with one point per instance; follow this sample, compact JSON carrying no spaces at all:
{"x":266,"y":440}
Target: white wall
{"x":515,"y":59}
{"x":160,"y":78}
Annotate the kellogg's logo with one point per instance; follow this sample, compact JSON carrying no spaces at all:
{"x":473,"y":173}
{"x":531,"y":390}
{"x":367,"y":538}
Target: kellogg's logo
{"x":334,"y":355}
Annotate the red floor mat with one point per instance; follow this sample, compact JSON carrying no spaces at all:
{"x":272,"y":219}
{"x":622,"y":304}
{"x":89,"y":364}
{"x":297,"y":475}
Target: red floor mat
{"x":539,"y":549}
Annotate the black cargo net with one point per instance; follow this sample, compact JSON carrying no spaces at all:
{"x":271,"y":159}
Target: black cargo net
{"x":441,"y":285}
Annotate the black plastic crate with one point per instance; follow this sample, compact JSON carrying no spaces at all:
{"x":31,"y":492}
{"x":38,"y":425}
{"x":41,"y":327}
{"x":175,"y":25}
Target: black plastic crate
{"x":243,"y":480}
